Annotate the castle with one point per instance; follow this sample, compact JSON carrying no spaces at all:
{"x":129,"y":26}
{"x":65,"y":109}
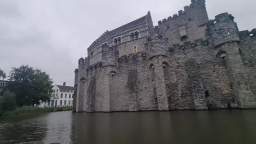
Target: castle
{"x":186,"y":62}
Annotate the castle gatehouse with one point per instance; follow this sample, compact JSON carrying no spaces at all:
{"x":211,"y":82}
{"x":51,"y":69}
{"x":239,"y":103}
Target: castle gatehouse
{"x":186,"y":62}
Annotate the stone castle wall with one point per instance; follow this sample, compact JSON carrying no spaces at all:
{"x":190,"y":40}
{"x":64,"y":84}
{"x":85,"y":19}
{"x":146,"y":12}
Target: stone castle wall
{"x":186,"y":62}
{"x":188,"y":25}
{"x":248,"y":54}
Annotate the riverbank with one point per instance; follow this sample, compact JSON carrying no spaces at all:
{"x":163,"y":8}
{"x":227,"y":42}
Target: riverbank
{"x":28,"y":112}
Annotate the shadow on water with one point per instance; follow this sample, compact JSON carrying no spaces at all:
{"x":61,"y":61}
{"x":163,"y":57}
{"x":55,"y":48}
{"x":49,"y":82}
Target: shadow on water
{"x":33,"y":130}
{"x":214,"y":127}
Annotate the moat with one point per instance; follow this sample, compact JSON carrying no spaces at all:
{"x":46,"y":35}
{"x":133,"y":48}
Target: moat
{"x":211,"y":127}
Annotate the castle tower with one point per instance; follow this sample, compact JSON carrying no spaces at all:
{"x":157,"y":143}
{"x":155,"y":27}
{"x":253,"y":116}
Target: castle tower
{"x":224,"y":36}
{"x":188,"y":25}
{"x":108,"y":55}
{"x":157,"y":52}
{"x":75,"y":92}
{"x":80,"y":82}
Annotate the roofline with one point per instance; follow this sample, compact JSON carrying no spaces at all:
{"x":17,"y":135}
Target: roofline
{"x":145,"y":16}
{"x":148,"y":19}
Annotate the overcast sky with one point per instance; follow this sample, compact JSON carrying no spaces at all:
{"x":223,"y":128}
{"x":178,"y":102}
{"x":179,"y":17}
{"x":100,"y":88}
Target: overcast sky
{"x":53,"y":34}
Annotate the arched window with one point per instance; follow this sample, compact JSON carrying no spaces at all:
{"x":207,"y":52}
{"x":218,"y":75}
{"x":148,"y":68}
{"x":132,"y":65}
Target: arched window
{"x":165,"y":66}
{"x":132,"y":36}
{"x":221,"y":54}
{"x":136,"y":35}
{"x":206,"y":93}
{"x":82,"y":79}
{"x":152,"y":72}
{"x":117,"y":40}
{"x":135,"y":49}
{"x":112,"y":73}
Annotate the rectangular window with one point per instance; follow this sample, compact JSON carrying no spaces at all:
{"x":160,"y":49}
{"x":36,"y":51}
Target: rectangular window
{"x":135,"y":49}
{"x":183,"y":33}
{"x":60,"y":102}
{"x":52,"y":103}
{"x":117,"y":41}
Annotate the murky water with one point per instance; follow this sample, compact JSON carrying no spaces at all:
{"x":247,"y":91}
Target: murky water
{"x":215,"y":127}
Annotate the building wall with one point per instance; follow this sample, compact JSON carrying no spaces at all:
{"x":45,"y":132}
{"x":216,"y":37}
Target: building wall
{"x":126,"y":36}
{"x":3,"y":84}
{"x":194,"y":79}
{"x":132,"y":47}
{"x":190,"y":23}
{"x":248,"y":53}
{"x":59,"y":99}
{"x":186,"y":62}
{"x":95,"y":55}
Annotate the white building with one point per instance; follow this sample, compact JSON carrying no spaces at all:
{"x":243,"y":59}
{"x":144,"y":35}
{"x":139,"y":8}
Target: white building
{"x":62,"y":96}
{"x":3,"y":84}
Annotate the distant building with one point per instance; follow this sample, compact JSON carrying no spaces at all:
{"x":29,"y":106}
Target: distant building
{"x":3,"y":84}
{"x":62,"y":96}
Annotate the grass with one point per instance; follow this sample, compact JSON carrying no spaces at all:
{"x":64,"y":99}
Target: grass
{"x":28,"y":112}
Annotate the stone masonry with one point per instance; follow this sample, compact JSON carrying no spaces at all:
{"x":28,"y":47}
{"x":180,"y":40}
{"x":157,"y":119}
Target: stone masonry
{"x":186,"y":62}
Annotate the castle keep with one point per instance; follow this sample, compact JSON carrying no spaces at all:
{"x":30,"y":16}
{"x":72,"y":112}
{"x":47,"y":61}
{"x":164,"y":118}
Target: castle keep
{"x":185,"y":62}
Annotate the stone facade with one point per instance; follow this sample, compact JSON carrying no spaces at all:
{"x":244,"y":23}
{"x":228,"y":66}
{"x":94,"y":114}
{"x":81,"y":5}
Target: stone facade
{"x":186,"y":62}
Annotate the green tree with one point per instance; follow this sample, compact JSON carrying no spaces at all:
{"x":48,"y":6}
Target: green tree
{"x":2,"y":74}
{"x":30,"y":85}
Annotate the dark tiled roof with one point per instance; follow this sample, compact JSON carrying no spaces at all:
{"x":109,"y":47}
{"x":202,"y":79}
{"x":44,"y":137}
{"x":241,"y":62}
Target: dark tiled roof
{"x":110,"y":34}
{"x":65,"y":88}
{"x":104,"y":37}
{"x":132,"y":24}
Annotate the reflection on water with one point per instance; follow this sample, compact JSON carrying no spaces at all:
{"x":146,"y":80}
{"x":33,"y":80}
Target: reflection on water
{"x":218,"y":127}
{"x":27,"y":131}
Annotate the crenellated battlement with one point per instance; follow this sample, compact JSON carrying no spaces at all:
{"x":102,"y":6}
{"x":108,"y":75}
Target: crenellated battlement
{"x":83,"y":62}
{"x":174,"y":17}
{"x":248,"y":34}
{"x":189,"y":45}
{"x":136,"y":57}
{"x":94,"y":67}
{"x":185,"y":62}
{"x":187,"y":25}
{"x":182,"y":14}
{"x":223,"y":29}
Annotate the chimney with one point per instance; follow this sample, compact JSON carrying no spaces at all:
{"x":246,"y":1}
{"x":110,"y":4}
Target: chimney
{"x":64,"y":84}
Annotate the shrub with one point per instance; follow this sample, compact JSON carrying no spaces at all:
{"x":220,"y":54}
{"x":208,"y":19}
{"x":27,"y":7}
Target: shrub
{"x":7,"y":101}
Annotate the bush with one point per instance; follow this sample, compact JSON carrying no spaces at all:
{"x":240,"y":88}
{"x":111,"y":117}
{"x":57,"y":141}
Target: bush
{"x":7,"y":101}
{"x":1,"y":101}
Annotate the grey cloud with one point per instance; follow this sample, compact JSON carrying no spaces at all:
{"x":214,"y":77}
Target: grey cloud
{"x":53,"y":34}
